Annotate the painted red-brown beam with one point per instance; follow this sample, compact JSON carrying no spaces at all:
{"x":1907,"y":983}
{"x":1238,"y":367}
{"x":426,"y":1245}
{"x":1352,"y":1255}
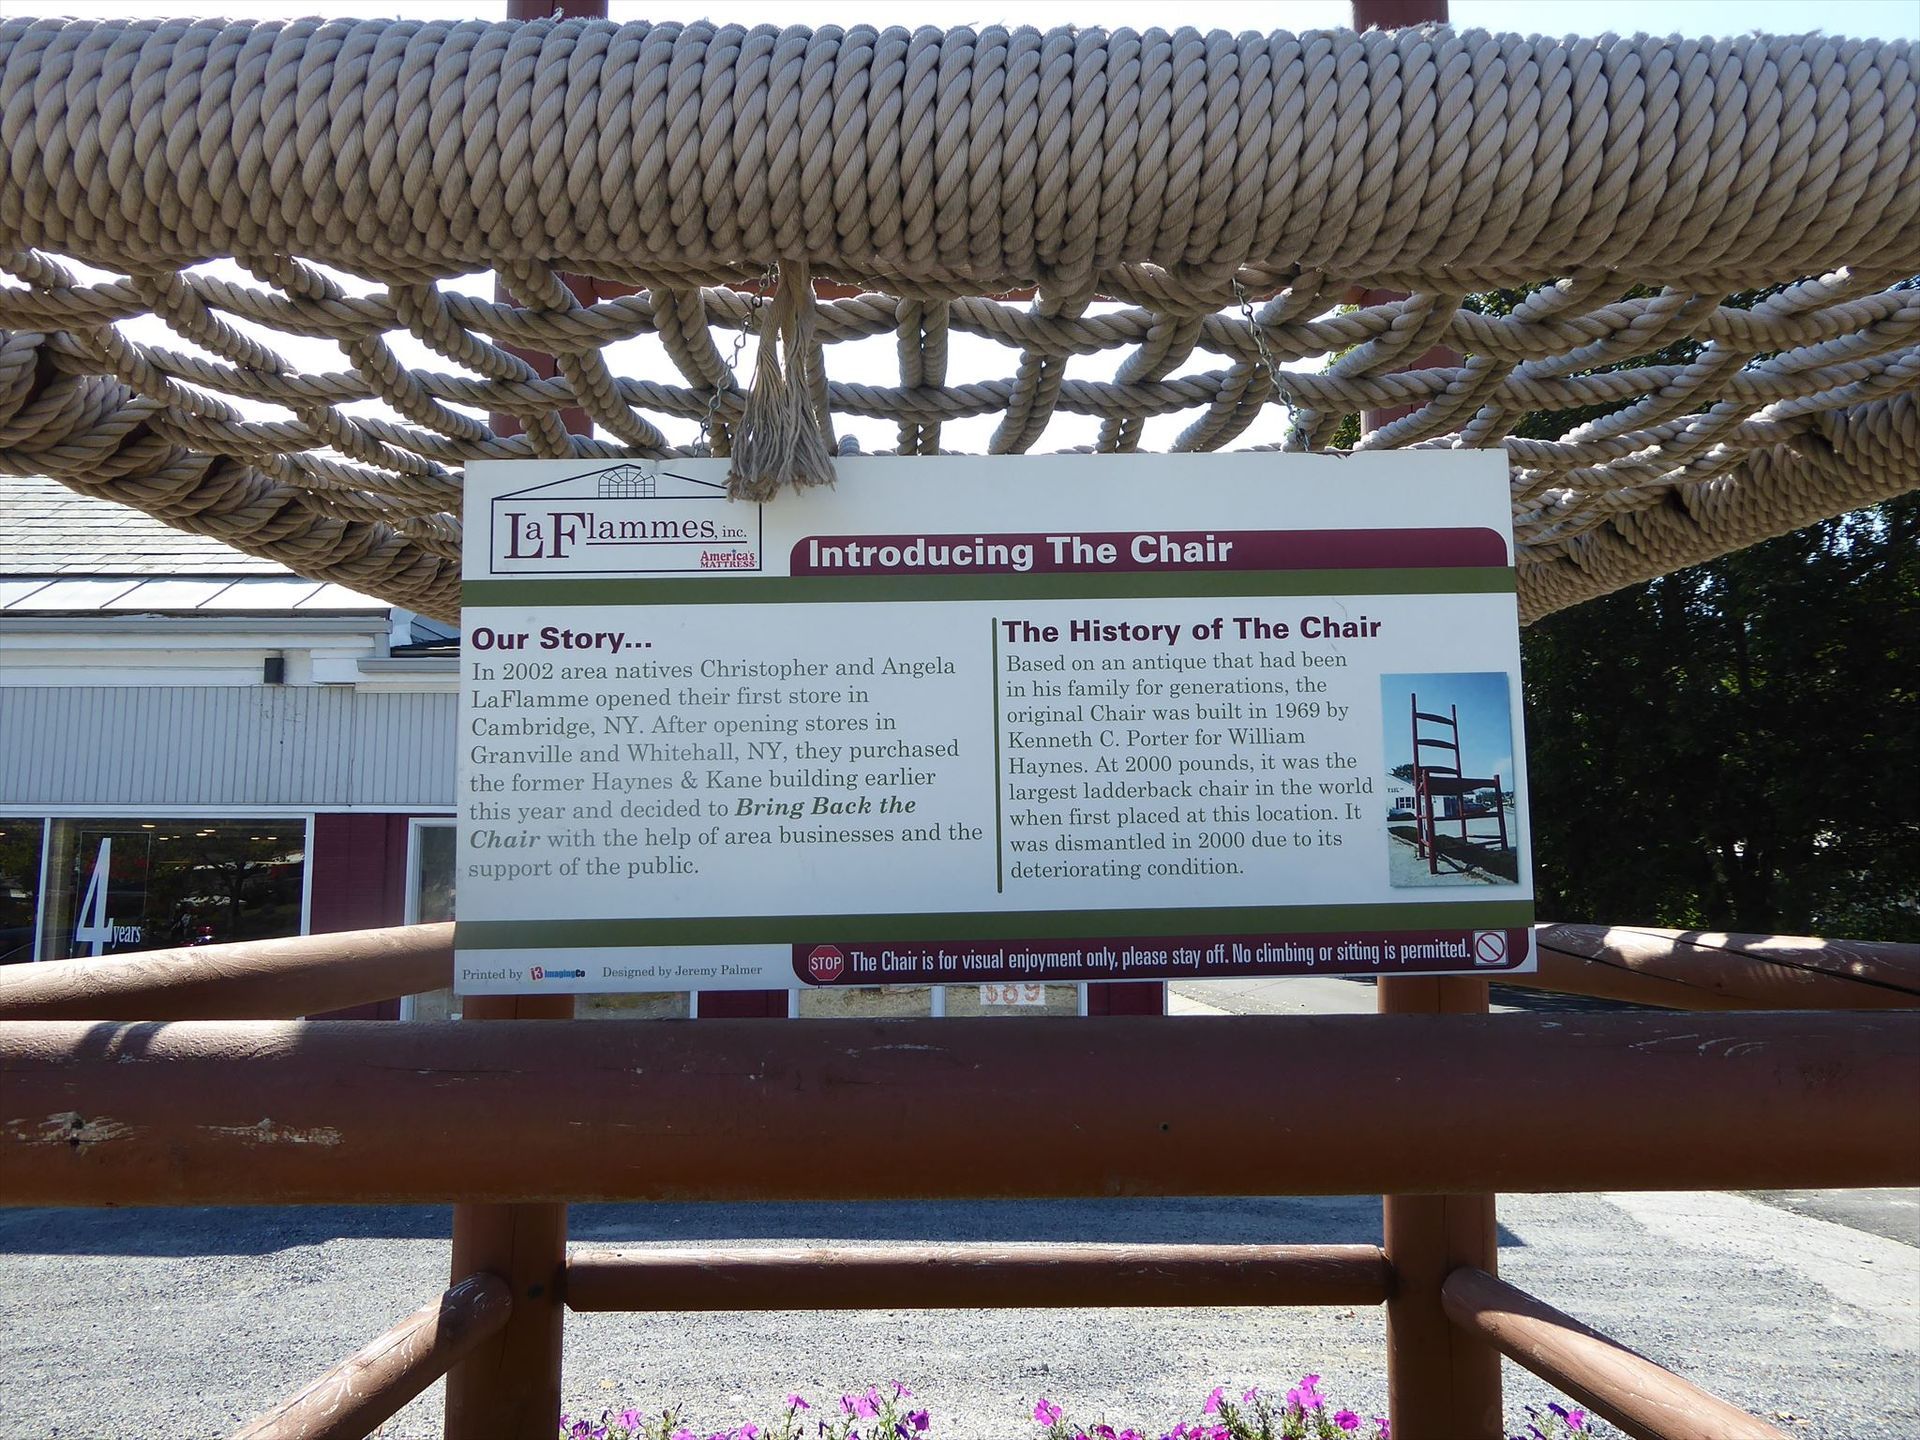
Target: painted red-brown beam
{"x":968,"y":1277}
{"x":1700,"y":970}
{"x":371,"y":1385}
{"x":304,"y":975}
{"x":267,"y":1112}
{"x":1623,"y":1387}
{"x":248,"y":980}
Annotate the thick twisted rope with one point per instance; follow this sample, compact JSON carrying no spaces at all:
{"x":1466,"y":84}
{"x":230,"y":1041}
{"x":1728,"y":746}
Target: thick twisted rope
{"x":1139,"y":185}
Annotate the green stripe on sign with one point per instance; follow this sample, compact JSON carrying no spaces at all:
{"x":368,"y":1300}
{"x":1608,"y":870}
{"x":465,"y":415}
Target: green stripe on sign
{"x":836,"y":589}
{"x":988,"y":925}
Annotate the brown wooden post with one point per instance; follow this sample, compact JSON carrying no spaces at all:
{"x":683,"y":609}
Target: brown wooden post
{"x":1394,"y":15}
{"x":509,"y":1387}
{"x":1442,"y":1384}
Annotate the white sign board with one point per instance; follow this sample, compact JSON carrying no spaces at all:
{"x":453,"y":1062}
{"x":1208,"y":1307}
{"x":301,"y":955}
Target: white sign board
{"x":990,"y":721}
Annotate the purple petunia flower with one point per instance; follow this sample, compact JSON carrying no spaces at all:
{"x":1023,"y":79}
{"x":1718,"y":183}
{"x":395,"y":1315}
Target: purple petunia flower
{"x":920,"y":1420}
{"x":1212,"y":1407}
{"x":1346,"y":1420}
{"x":1576,"y":1420}
{"x":1046,"y":1412}
{"x":794,"y":1402}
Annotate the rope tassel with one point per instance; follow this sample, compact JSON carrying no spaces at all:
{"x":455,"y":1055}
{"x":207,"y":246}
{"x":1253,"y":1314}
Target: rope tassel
{"x":782,"y":435}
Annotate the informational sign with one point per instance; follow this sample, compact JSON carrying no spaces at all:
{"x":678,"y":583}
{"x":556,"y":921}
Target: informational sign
{"x":990,"y":721}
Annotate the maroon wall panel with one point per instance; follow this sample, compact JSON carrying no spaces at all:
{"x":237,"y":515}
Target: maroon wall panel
{"x":359,"y":865}
{"x":743,"y":1005}
{"x":1127,"y":997}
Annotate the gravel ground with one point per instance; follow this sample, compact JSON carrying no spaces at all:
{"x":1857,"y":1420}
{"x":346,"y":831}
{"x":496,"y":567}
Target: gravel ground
{"x":177,"y":1324}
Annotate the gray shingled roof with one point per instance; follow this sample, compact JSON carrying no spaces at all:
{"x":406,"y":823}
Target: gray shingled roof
{"x":47,"y":529}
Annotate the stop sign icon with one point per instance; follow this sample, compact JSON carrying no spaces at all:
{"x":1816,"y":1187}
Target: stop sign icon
{"x":825,"y":962}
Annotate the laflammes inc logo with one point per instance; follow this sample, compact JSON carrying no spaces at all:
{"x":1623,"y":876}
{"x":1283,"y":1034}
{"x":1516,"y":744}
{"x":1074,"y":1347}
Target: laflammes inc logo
{"x":557,"y":534}
{"x":633,"y":518}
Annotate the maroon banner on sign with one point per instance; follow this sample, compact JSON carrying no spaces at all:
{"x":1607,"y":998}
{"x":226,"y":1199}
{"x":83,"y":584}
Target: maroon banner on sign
{"x":1161,"y":957}
{"x":1114,"y":552}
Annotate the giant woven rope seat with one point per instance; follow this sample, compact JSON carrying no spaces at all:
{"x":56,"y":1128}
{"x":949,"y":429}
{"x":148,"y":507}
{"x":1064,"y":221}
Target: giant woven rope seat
{"x":1206,"y":220}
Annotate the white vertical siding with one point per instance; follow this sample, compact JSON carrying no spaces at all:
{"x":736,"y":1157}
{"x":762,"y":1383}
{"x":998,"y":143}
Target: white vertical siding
{"x":204,"y":745}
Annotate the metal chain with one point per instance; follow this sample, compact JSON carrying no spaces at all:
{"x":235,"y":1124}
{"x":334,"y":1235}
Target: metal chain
{"x":1259,"y":332}
{"x":748,"y":325}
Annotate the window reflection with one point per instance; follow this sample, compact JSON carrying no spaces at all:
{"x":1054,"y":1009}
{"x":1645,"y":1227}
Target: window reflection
{"x":122,"y":885}
{"x":19,"y":887}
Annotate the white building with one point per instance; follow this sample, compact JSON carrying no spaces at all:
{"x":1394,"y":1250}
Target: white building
{"x":201,"y":746}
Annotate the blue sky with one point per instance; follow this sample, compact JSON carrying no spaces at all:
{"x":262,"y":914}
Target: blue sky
{"x":1486,"y":720}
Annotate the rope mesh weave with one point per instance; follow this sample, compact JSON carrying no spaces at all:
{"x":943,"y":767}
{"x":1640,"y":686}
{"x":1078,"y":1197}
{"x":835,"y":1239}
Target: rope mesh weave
{"x":1187,"y":215}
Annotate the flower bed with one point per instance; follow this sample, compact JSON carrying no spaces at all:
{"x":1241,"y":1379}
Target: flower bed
{"x":890,"y":1412}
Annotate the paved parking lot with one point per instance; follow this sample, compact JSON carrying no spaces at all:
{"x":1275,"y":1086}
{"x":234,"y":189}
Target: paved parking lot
{"x":152,"y":1325}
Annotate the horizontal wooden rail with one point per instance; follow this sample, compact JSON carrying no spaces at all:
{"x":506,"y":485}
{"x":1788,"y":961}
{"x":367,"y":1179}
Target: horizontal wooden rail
{"x":1622,"y":1386}
{"x":304,"y":975}
{"x":265,"y":1112}
{"x":1707,"y":970}
{"x":970,"y":1277}
{"x":374,"y":1382}
{"x":251,"y":980}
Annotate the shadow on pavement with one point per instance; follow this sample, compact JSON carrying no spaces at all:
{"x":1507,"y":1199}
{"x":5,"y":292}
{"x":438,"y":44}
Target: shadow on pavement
{"x":260,"y":1230}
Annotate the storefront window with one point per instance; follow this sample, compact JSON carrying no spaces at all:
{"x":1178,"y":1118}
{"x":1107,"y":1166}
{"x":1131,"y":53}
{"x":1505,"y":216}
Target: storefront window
{"x":19,"y":887}
{"x":433,"y":875}
{"x":431,"y":901}
{"x":122,"y":885}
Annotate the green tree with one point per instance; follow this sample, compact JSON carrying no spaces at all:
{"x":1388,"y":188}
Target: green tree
{"x":1737,"y":745}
